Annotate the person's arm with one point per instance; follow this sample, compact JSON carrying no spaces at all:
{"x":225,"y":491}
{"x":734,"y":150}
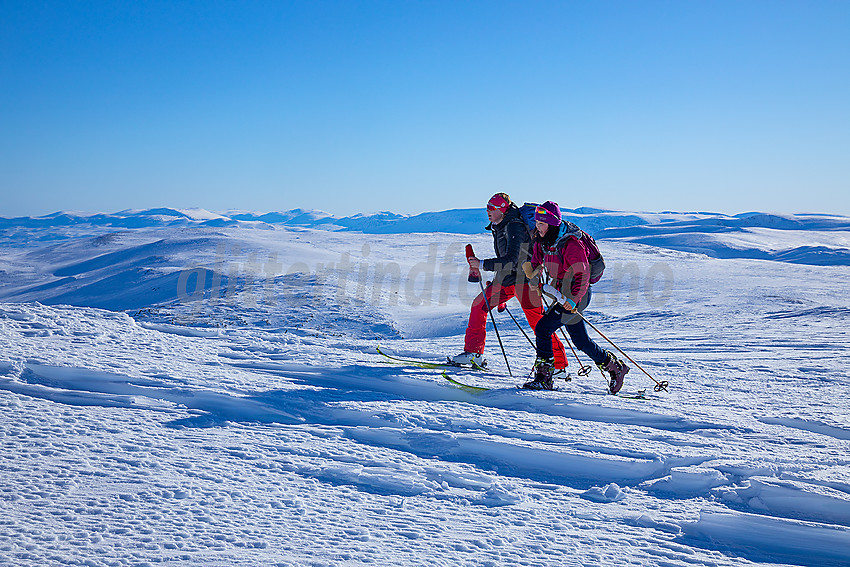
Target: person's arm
{"x":574,"y":258}
{"x":514,"y":233}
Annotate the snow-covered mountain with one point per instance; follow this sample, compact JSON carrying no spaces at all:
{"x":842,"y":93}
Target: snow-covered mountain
{"x":457,"y":221}
{"x":134,"y":259}
{"x":748,"y":235}
{"x":190,"y":388}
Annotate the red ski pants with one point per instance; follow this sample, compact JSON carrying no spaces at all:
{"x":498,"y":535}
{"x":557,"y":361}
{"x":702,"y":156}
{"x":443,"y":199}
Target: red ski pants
{"x":532,"y":306}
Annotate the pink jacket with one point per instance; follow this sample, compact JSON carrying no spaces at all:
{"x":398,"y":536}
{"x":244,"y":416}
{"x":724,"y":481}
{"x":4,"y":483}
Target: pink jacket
{"x":567,"y":265}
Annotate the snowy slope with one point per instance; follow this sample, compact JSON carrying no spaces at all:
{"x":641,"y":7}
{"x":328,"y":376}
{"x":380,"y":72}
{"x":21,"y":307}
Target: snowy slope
{"x":190,"y":393}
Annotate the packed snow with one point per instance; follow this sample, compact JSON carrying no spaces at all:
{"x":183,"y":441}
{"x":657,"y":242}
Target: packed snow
{"x":181,"y":387}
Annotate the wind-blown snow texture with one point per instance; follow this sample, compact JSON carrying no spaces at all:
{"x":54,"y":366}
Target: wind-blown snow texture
{"x":186,"y":388}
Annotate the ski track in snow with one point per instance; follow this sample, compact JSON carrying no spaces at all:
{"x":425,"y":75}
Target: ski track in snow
{"x":141,"y":440}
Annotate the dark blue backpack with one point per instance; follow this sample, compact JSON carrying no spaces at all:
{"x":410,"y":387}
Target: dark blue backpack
{"x":526,"y":213}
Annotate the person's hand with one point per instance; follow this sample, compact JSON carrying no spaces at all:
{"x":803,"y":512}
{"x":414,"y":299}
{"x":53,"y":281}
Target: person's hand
{"x":530,"y":272}
{"x":474,"y":263}
{"x":567,"y":303}
{"x":533,"y":276}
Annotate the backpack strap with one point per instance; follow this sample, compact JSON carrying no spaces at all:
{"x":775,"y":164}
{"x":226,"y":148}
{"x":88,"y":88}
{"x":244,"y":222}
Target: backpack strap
{"x":566,"y":231}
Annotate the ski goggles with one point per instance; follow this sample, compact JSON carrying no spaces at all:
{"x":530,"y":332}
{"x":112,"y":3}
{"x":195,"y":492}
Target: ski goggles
{"x":497,"y":202}
{"x":542,"y":214}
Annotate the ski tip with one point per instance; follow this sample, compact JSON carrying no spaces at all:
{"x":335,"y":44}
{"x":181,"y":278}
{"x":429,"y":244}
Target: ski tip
{"x":464,"y":387}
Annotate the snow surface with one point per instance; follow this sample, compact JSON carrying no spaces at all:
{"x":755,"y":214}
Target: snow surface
{"x":185,"y":388}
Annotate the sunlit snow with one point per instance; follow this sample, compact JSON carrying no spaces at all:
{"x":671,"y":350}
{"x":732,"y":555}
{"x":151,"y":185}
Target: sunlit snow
{"x":181,"y":387}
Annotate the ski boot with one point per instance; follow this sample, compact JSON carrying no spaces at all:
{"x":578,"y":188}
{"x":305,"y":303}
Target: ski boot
{"x":543,"y":369}
{"x":615,"y":369}
{"x":473,"y":359}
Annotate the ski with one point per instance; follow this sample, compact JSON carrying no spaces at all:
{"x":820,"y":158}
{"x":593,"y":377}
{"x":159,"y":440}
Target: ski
{"x":428,"y":364}
{"x":639,"y":395}
{"x":482,"y":389}
{"x":466,"y":387}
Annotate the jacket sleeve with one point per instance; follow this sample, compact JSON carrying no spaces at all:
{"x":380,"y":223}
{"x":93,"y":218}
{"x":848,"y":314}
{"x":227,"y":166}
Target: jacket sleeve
{"x":576,"y":269}
{"x":508,"y":262}
{"x":536,"y":254}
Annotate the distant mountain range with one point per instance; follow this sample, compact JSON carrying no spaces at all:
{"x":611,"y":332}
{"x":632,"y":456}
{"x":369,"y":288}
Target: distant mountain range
{"x":747,"y":235}
{"x":458,"y":221}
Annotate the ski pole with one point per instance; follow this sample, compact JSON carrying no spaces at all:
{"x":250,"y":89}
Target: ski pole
{"x":475,"y":275}
{"x":659,"y":386}
{"x":495,"y":328}
{"x":582,"y":370}
{"x":520,"y":327}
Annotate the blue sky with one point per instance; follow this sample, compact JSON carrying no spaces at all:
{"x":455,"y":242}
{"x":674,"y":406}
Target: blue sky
{"x":352,"y":106}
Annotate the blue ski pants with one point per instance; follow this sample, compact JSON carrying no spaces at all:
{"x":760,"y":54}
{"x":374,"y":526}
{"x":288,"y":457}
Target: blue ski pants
{"x":557,"y":317}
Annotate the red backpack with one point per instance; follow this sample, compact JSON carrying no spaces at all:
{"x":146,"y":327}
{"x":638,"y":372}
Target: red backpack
{"x":594,"y":256}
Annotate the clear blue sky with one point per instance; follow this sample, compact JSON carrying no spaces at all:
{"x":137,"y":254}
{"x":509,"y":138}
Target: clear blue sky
{"x":408,"y":106}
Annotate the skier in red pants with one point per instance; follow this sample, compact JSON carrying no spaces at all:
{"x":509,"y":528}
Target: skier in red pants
{"x":512,"y":242}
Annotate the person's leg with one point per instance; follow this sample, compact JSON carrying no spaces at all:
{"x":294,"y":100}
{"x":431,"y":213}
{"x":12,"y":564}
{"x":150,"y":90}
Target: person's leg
{"x":543,"y":331}
{"x":606,"y":360}
{"x":583,"y":342}
{"x":533,"y":316}
{"x":476,"y":329}
{"x":533,"y":312}
{"x":544,"y":365}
